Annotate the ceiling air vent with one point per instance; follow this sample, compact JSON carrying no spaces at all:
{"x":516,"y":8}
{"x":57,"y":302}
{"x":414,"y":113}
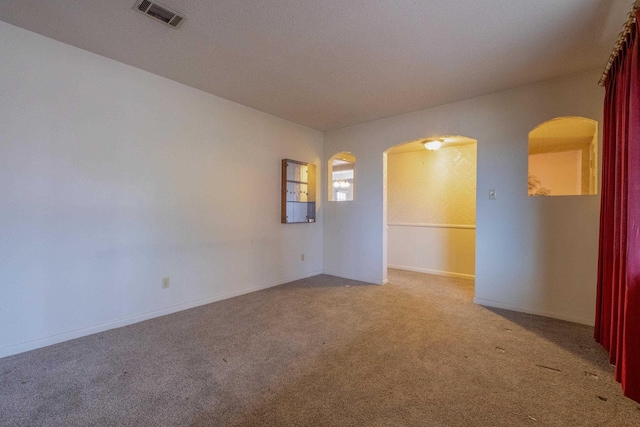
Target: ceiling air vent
{"x":160,"y":12}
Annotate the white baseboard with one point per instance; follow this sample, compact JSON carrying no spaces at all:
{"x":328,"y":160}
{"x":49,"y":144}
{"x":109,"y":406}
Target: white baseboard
{"x":69,"y":335}
{"x":543,"y":313}
{"x":436,"y":272}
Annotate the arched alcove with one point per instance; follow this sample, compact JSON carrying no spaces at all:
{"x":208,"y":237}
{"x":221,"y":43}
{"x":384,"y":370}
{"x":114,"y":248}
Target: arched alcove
{"x":563,"y":157}
{"x":342,"y":177}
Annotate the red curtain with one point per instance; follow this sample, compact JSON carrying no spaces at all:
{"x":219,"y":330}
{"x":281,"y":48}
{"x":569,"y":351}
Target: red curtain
{"x":618,"y":304}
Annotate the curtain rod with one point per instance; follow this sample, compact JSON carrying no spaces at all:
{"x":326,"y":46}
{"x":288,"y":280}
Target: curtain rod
{"x":622,"y":39}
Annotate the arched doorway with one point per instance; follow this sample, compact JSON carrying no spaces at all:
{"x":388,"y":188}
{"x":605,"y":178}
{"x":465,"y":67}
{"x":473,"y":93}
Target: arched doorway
{"x":429,"y":206}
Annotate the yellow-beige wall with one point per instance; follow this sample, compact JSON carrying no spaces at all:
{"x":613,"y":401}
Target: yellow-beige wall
{"x":431,"y":202}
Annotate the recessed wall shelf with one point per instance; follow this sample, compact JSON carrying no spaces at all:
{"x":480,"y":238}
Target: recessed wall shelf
{"x":298,"y":192}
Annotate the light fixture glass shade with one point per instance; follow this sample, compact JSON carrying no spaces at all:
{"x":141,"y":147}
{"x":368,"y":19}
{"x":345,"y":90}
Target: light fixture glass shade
{"x":433,"y":145}
{"x":341,"y":183}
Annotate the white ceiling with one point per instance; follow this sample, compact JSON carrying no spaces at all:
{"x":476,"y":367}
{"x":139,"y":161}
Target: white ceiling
{"x":328,"y":64}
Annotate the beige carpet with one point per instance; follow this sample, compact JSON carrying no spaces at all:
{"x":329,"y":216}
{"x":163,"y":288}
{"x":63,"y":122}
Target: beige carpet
{"x":325,"y":351}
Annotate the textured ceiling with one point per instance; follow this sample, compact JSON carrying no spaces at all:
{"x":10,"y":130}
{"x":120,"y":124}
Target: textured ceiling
{"x":332,"y":63}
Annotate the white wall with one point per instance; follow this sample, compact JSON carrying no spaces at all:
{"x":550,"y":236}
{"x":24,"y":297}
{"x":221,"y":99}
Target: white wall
{"x":111,"y":178}
{"x":533,"y":254}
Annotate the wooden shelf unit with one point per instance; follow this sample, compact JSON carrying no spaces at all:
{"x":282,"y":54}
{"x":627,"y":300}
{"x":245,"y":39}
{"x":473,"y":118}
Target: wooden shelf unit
{"x":298,"y":192}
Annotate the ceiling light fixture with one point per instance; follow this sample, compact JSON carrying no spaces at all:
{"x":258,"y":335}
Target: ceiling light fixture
{"x":341,"y":183}
{"x":433,"y":145}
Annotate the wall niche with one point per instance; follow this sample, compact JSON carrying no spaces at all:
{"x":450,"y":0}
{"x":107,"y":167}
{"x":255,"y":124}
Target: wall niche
{"x":298,"y":192}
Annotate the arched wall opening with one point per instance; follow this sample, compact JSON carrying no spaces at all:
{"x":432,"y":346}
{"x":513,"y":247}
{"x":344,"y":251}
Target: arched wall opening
{"x":563,"y":157}
{"x":341,"y":180}
{"x":429,"y":206}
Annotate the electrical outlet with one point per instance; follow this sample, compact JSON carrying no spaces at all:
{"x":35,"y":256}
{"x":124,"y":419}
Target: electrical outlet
{"x":165,"y":282}
{"x":301,"y":257}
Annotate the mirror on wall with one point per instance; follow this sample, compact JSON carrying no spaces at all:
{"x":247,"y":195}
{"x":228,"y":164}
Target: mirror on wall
{"x":563,"y":157}
{"x":342,"y":167}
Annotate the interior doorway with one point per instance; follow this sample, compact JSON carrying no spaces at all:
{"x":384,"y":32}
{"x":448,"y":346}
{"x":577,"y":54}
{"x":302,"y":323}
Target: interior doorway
{"x":430,"y":206}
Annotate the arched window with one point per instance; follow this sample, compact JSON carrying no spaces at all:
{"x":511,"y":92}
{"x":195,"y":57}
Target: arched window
{"x":563,"y":157}
{"x":342,"y":177}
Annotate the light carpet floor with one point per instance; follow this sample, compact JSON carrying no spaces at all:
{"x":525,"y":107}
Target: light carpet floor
{"x":324,"y":351}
